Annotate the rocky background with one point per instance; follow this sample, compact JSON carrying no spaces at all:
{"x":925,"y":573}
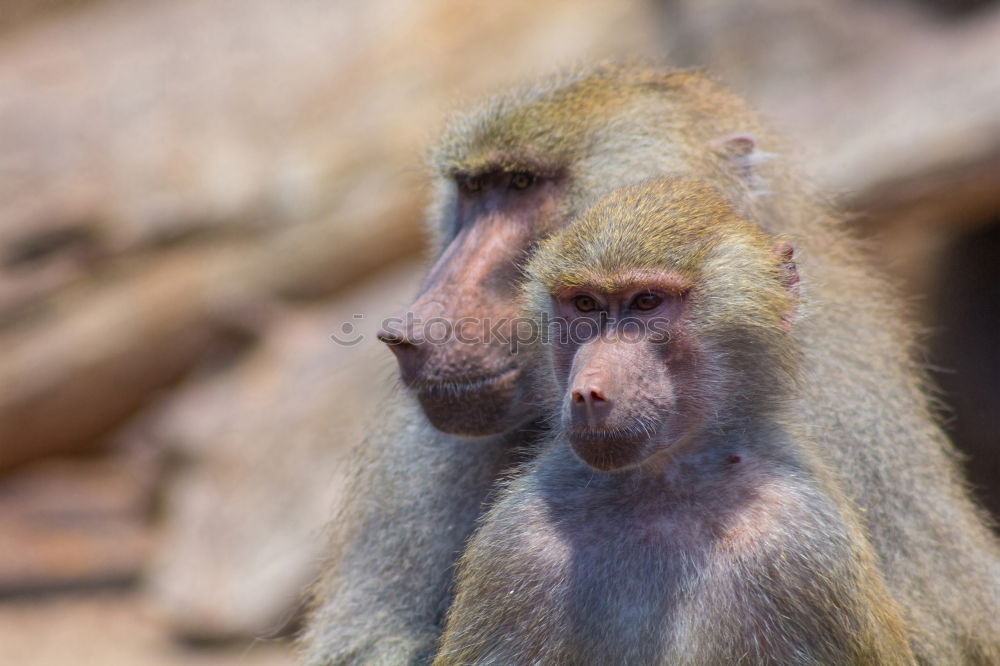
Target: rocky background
{"x":196,"y":194}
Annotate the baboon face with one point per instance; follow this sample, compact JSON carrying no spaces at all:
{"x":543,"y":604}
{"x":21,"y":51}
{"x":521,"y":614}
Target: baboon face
{"x":626,"y":368}
{"x":674,"y":315}
{"x":453,"y":344}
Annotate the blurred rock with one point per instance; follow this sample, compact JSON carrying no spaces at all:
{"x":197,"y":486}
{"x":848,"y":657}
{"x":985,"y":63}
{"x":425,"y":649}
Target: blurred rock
{"x":111,"y":629}
{"x":75,"y":524}
{"x":98,"y":354}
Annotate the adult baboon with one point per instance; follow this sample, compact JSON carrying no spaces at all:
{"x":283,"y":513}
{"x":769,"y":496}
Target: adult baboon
{"x":679,"y":516}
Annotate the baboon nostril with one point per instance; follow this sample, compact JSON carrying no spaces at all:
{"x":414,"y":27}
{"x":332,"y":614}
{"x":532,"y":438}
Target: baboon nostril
{"x":410,"y":354}
{"x":391,"y":337}
{"x":590,"y":396}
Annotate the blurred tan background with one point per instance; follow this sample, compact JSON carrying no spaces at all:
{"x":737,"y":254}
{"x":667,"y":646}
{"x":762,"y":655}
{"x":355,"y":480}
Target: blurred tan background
{"x":196,"y":194}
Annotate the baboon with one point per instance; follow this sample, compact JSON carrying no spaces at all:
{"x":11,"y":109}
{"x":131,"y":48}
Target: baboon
{"x":516,"y":169}
{"x":678,"y":516}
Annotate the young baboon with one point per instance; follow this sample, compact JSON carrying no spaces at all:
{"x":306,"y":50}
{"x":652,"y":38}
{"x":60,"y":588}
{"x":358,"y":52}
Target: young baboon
{"x":679,"y":516}
{"x":506,"y":175}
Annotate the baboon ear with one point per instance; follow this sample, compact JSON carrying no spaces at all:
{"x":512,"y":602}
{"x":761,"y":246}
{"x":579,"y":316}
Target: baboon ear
{"x":785,"y":253}
{"x":744,"y":156}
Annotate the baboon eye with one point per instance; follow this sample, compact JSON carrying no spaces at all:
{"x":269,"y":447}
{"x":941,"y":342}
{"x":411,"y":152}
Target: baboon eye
{"x":471,"y":183}
{"x":584,"y":303}
{"x":646,"y":301}
{"x":521,"y":180}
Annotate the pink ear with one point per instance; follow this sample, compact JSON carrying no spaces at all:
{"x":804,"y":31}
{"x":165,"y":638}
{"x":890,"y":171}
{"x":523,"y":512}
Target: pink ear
{"x":741,"y":151}
{"x":789,"y":278}
{"x":736,"y":145}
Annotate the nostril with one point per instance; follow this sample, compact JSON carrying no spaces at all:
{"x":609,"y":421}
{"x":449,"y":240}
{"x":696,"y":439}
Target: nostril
{"x":391,"y":338}
{"x":410,"y":354}
{"x":591,"y":396}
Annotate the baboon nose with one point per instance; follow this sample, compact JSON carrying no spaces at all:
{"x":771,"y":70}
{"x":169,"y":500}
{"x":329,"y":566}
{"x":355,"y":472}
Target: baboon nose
{"x":590,"y":405}
{"x":408,"y":351}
